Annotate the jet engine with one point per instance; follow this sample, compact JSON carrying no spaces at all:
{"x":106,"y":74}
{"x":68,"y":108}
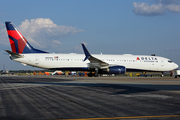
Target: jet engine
{"x":113,"y":70}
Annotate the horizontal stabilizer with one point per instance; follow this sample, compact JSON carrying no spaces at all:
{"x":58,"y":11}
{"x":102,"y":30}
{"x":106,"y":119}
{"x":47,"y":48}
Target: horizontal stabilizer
{"x":14,"y":54}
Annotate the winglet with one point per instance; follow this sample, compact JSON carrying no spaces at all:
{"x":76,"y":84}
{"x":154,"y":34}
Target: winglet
{"x":86,"y":52}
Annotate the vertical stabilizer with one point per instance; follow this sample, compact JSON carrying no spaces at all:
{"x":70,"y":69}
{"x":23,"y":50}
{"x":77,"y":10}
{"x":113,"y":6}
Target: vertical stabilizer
{"x":18,"y":42}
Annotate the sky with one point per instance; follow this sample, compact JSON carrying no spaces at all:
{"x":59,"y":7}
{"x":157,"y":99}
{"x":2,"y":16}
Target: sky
{"x":139,"y":27}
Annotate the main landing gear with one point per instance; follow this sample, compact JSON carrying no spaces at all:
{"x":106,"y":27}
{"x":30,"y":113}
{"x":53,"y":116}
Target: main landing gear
{"x":93,"y":73}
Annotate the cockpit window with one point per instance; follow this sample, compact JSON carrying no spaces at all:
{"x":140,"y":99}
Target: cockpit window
{"x":169,"y":61}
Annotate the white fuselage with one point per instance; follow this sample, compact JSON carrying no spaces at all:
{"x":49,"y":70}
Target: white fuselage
{"x":75,"y":61}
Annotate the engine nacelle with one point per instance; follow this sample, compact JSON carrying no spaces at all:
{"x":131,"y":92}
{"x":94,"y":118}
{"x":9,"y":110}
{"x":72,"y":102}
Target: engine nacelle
{"x":113,"y":70}
{"x":117,"y":70}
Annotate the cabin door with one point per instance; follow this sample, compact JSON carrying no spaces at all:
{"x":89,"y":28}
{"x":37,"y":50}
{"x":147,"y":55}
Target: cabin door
{"x":162,"y":62}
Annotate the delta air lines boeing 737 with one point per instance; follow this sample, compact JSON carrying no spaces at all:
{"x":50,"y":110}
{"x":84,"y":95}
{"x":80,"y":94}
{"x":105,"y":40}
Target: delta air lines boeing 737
{"x":24,"y":53}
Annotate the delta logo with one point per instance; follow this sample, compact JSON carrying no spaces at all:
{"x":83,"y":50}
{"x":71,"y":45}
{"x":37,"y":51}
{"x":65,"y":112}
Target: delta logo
{"x":146,"y":58}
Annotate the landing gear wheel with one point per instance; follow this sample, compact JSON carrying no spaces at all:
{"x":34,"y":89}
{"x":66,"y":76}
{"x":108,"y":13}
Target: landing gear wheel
{"x":90,"y":75}
{"x":95,"y":75}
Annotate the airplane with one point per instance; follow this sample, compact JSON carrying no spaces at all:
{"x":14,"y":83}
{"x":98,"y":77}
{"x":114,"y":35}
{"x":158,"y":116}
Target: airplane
{"x":96,"y":64}
{"x":4,"y":72}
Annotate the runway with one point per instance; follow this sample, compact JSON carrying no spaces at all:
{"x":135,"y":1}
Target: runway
{"x":83,"y":98}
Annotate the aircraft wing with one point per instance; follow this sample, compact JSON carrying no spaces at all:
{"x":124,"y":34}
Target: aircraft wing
{"x":94,"y":62}
{"x":14,"y":54}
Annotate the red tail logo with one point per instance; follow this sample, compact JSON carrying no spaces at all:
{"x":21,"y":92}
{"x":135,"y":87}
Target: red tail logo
{"x":18,"y":43}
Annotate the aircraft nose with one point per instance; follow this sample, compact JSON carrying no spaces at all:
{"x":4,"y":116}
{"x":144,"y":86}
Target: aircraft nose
{"x":175,"y":66}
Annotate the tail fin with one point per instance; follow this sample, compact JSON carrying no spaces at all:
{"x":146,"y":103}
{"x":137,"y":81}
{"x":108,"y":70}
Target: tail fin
{"x":18,"y":42}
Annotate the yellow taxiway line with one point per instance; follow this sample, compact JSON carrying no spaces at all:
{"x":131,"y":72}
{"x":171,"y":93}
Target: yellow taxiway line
{"x":128,"y":117}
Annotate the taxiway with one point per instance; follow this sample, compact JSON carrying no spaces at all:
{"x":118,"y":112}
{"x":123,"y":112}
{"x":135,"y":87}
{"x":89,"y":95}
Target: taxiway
{"x":53,"y":97}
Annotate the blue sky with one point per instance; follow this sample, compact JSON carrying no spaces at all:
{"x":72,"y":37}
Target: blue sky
{"x":141,"y":27}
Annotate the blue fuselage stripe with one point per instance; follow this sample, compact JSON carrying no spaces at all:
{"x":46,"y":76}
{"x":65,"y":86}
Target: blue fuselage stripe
{"x":72,"y":69}
{"x":87,"y":69}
